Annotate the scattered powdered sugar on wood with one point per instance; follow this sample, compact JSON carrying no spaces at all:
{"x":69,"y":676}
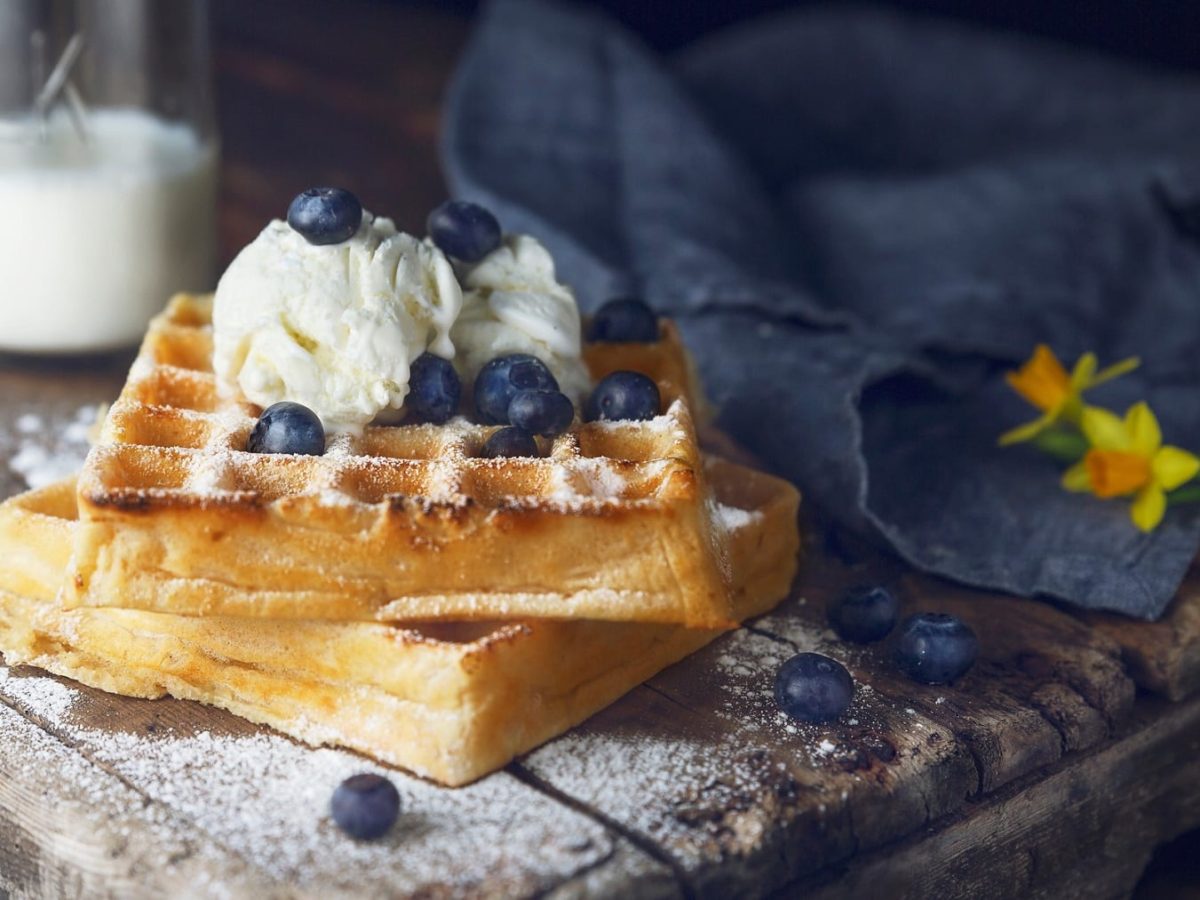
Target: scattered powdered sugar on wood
{"x":688,"y":795}
{"x":743,"y":690}
{"x":42,"y":452}
{"x":265,"y":798}
{"x":50,"y":697}
{"x":730,"y":783}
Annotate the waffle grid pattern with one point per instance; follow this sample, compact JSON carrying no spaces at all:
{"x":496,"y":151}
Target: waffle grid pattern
{"x":172,"y":438}
{"x":399,"y":523}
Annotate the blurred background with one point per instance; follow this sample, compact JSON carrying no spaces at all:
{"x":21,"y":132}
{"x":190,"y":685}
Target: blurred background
{"x":1159,"y":30}
{"x":362,"y":81}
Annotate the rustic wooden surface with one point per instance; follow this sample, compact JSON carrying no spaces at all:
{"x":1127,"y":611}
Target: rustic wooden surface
{"x":1040,"y":772}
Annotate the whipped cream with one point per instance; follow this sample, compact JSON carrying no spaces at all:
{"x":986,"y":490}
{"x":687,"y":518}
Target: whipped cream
{"x":334,"y":327}
{"x":513,"y":303}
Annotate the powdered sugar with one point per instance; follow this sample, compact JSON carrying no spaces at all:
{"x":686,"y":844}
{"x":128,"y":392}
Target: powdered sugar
{"x":585,"y":478}
{"x":266,"y":798}
{"x":42,"y":454}
{"x":731,"y":518}
{"x":50,"y":697}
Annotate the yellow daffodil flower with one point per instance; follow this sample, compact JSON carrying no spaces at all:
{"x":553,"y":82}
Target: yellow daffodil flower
{"x":1127,"y":457}
{"x":1046,"y":385}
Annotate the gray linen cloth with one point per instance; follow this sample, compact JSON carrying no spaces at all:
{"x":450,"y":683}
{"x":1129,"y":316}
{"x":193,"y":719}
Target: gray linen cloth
{"x":861,"y":220}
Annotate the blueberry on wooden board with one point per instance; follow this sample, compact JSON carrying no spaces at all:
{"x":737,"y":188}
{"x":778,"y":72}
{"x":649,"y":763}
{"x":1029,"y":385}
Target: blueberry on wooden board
{"x":935,"y":648}
{"x":813,"y":688}
{"x":864,"y":613}
{"x":365,"y":806}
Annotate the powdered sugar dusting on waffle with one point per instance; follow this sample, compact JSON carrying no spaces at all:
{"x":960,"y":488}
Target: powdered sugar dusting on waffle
{"x":580,"y":479}
{"x":171,"y":407}
{"x":731,"y":518}
{"x":175,"y":443}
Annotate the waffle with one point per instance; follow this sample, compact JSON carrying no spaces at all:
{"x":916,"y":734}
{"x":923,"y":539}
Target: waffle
{"x":449,"y":701}
{"x":402,"y":523}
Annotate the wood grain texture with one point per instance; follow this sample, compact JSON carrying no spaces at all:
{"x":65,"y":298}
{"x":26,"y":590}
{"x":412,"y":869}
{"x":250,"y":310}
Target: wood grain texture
{"x":1044,"y":684}
{"x":1085,"y":829}
{"x":247,"y":812}
{"x":348,"y":93}
{"x":1162,"y":656}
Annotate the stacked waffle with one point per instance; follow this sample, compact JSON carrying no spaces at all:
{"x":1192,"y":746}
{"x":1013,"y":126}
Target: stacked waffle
{"x":399,"y":595}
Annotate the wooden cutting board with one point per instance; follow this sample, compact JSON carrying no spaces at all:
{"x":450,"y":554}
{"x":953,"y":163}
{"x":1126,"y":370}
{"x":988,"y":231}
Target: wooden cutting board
{"x":1040,"y":770}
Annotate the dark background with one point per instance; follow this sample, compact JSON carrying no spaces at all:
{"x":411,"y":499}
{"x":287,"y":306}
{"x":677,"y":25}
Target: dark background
{"x":350,"y":91}
{"x":1166,"y":32}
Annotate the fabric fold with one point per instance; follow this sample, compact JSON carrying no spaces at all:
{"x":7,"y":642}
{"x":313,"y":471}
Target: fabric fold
{"x":860,"y":220}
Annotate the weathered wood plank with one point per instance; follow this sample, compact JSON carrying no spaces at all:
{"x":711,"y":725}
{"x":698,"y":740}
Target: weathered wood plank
{"x":245,"y":793}
{"x":1162,"y":656}
{"x":39,"y":401}
{"x":1086,"y":830}
{"x":70,"y":829}
{"x":1044,"y":684}
{"x":700,"y":763}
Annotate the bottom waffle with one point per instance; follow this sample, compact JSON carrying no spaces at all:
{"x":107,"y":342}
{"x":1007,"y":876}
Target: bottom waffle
{"x":450,"y":701}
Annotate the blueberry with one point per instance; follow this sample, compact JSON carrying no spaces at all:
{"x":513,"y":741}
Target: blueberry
{"x":325,"y":215}
{"x":864,"y":613}
{"x":434,"y":388}
{"x":365,"y":806}
{"x":935,"y":648}
{"x":463,"y":230}
{"x":503,"y":378}
{"x":287,"y":428}
{"x":813,"y":688}
{"x":624,"y":395}
{"x":509,"y":442}
{"x":547,"y":413}
{"x":623,"y":321}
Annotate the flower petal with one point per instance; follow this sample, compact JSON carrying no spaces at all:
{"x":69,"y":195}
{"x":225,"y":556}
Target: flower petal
{"x":1084,"y":372}
{"x":1174,"y":466}
{"x":1145,"y":437}
{"x":1116,"y":473}
{"x":1077,"y":479}
{"x":1116,"y":370}
{"x":1103,"y":429}
{"x":1148,"y":508}
{"x":1026,"y":432}
{"x":1042,"y":381}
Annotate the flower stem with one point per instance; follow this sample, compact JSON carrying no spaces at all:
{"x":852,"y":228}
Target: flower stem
{"x":1189,"y":493}
{"x":1068,"y":446}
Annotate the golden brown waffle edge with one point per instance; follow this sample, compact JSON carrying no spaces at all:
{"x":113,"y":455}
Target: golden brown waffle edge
{"x":400,"y":523}
{"x":448,"y":701}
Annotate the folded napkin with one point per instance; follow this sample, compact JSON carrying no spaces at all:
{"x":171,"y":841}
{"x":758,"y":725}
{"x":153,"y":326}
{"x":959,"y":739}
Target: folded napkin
{"x":861,"y":220}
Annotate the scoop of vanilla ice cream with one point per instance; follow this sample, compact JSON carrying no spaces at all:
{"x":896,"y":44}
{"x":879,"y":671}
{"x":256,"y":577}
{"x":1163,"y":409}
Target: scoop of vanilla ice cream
{"x":513,"y":303}
{"x":334,"y":327}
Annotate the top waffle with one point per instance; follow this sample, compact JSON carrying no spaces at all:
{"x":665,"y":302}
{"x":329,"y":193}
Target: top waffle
{"x":614,"y":522}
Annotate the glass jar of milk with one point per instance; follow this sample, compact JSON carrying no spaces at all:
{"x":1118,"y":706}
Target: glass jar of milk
{"x":108,"y":157}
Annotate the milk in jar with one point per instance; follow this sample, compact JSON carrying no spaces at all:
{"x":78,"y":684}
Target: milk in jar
{"x":99,"y":228}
